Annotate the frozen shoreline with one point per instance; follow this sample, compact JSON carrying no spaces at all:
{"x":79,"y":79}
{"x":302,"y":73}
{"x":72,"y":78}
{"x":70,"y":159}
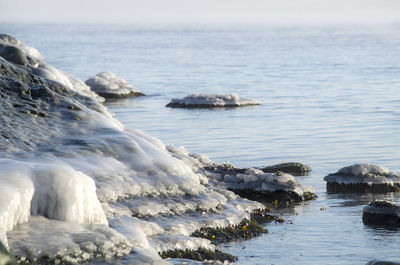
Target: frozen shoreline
{"x":70,"y":170}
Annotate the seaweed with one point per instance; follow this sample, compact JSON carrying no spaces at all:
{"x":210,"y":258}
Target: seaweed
{"x":200,"y":254}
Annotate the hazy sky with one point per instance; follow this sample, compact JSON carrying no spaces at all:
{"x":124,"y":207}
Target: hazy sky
{"x":202,"y":11}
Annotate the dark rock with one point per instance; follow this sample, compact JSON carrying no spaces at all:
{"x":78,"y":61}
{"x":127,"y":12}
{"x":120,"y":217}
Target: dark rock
{"x":380,"y":212}
{"x":294,"y":168}
{"x":9,"y":39}
{"x":382,"y":262}
{"x":13,"y":54}
{"x":245,"y":230}
{"x":120,"y":96}
{"x":200,"y":254}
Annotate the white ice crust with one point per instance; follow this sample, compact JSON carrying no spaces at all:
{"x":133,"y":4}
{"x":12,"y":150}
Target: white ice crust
{"x":363,"y":173}
{"x":256,"y":180}
{"x":214,"y":100}
{"x":107,"y":82}
{"x":84,"y":173}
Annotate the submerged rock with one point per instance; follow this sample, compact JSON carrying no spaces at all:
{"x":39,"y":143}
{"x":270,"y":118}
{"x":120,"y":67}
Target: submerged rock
{"x":257,"y":185}
{"x":363,"y":178}
{"x":110,"y":86}
{"x":380,"y":212}
{"x":211,"y":101}
{"x":294,"y":168}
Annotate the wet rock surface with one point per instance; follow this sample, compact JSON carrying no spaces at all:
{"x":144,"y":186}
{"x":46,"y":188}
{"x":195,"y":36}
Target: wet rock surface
{"x":294,"y":168}
{"x":380,"y":212}
{"x":200,"y":254}
{"x":246,"y":229}
{"x":360,"y":178}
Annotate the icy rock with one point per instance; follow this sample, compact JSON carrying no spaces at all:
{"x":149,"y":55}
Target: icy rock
{"x":30,"y":59}
{"x":65,"y":240}
{"x":211,"y":101}
{"x":110,"y":86}
{"x":363,"y":178}
{"x":380,"y":212}
{"x":254,"y":184}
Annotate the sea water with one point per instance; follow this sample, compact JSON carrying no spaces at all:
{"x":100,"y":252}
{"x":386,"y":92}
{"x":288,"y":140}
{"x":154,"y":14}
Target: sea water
{"x":330,"y":98}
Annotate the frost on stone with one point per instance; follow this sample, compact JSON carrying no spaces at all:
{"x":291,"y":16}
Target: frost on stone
{"x":110,"y":86}
{"x":255,"y":184}
{"x":211,"y":101}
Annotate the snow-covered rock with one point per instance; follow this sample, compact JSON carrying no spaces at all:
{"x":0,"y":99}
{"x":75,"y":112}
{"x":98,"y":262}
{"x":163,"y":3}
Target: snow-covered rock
{"x":211,"y":101}
{"x":363,"y":178}
{"x":257,"y":185}
{"x":110,"y":86}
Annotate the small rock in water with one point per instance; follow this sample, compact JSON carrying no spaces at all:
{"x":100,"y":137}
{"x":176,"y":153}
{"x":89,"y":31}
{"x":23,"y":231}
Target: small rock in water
{"x":363,"y":178}
{"x":294,"y":168}
{"x":211,"y":101}
{"x":110,"y":86}
{"x":381,"y":212}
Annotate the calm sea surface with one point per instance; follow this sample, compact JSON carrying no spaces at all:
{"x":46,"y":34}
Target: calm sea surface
{"x":330,"y":98}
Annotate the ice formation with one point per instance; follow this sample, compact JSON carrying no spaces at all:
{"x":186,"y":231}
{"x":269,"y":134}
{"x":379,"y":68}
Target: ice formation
{"x":255,"y":184}
{"x":363,"y":173}
{"x":363,"y":178}
{"x":76,"y":184}
{"x":110,"y":86}
{"x":211,"y":101}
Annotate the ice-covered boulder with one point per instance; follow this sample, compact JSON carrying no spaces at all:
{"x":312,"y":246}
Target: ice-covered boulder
{"x":257,"y":185}
{"x":381,"y":212}
{"x":211,"y":101}
{"x":110,"y":86}
{"x":363,"y":178}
